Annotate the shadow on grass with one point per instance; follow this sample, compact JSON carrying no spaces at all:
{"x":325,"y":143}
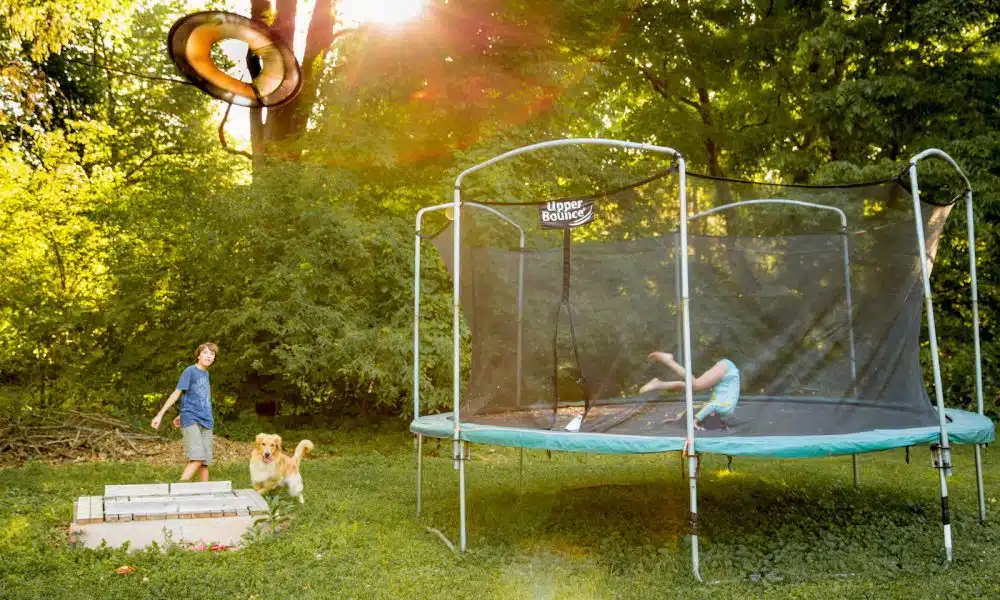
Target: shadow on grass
{"x":776,"y":524}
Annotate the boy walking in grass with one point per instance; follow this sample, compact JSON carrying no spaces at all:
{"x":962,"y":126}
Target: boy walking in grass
{"x":195,"y":420}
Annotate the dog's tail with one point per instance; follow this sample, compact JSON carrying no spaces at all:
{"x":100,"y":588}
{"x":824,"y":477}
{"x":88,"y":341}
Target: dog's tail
{"x":300,"y":450}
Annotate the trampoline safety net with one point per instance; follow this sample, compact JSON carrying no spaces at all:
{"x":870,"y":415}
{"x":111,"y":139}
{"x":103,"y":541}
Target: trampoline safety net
{"x":813,"y":293}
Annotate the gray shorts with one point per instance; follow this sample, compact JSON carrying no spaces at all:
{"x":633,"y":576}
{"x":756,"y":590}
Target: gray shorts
{"x":197,"y":443}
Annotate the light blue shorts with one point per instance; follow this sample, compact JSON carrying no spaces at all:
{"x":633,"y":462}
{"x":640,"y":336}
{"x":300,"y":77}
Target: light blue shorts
{"x":724,"y":410}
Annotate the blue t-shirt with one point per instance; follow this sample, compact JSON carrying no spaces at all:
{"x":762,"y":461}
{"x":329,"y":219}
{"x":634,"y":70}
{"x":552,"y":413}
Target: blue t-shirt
{"x":196,"y":401}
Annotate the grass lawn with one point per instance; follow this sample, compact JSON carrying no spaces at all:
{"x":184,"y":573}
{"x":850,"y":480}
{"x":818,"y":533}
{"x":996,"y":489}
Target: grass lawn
{"x":575,"y":526}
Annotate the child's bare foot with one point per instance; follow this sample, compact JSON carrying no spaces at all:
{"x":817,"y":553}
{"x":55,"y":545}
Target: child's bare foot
{"x":653,"y":384}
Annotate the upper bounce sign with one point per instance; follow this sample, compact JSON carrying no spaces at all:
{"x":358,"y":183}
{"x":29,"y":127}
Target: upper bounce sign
{"x":564,"y":214}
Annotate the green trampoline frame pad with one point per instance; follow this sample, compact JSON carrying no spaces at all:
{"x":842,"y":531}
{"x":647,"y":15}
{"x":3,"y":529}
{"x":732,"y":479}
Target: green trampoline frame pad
{"x":964,"y":428}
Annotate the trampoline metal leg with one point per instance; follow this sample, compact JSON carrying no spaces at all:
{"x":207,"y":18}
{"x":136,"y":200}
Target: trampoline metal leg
{"x":942,"y":461}
{"x":420,"y":472}
{"x":693,"y":483}
{"x":979,"y":484}
{"x":520,"y":473}
{"x":857,"y":474}
{"x":461,"y":496}
{"x":945,"y":516}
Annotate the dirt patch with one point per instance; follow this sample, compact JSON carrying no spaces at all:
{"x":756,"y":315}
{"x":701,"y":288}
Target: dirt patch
{"x":223,"y":451}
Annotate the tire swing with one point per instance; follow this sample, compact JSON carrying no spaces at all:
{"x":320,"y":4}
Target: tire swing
{"x":275,"y":73}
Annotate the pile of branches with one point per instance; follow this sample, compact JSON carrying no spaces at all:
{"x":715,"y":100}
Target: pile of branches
{"x":72,"y":435}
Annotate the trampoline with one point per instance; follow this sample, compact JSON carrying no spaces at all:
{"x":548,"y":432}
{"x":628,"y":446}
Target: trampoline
{"x":816,"y":293}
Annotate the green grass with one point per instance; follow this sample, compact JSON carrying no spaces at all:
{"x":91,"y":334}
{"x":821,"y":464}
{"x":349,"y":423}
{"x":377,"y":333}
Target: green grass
{"x":576,"y":526}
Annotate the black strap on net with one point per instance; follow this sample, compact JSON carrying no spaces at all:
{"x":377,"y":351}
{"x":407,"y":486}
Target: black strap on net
{"x":565,"y":303}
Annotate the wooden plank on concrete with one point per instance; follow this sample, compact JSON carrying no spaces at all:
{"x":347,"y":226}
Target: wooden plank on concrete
{"x":136,"y":490}
{"x":200,"y":487}
{"x":96,"y":509}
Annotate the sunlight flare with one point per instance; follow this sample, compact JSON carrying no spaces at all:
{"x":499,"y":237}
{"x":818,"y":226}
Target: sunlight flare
{"x":389,"y":12}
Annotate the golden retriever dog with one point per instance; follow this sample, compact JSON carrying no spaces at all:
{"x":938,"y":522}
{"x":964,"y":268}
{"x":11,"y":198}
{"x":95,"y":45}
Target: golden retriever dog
{"x":270,"y":467}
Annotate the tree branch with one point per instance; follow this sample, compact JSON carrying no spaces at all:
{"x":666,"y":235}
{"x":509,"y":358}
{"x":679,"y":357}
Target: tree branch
{"x":658,"y":86}
{"x":222,"y":137}
{"x":690,"y":103}
{"x":284,"y":20}
{"x":766,"y":120}
{"x":130,"y":178}
{"x":984,"y":36}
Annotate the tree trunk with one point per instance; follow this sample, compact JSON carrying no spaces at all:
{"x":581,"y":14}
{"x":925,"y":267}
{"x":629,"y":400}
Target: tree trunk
{"x":285,"y":124}
{"x":278,"y":136}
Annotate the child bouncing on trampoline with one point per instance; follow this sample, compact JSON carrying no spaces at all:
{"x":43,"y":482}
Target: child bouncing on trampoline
{"x":723,"y":379}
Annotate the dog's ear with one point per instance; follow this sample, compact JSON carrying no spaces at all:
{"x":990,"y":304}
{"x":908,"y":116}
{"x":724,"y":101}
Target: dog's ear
{"x":259,"y":439}
{"x":277,"y":440}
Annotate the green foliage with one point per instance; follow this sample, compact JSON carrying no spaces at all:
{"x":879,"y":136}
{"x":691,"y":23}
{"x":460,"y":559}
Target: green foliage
{"x":47,"y":26}
{"x":280,"y":511}
{"x":128,"y":237}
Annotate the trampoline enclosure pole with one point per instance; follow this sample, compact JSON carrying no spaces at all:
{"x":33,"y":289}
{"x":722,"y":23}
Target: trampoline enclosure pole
{"x":850,"y":305}
{"x":943,"y":451}
{"x":677,"y":286}
{"x":692,"y":456}
{"x":457,"y":449}
{"x":416,"y":323}
{"x":520,"y":314}
{"x":418,"y":442}
{"x":416,"y":357}
{"x":971,"y":226}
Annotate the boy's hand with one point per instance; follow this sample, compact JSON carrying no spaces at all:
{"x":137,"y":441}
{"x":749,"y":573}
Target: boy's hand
{"x":177,"y":422}
{"x":155,"y":423}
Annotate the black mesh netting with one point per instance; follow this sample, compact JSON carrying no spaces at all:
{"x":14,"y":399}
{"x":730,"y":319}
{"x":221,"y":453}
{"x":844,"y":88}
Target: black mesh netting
{"x":823,"y":322}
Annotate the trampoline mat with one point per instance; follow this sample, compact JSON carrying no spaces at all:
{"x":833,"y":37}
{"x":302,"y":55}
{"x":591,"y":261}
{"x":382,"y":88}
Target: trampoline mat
{"x":754,"y":416}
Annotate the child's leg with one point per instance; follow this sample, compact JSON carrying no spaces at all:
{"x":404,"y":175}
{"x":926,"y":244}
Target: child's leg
{"x":708,"y":409}
{"x":712,"y":408}
{"x":190,"y":469}
{"x":198,"y":449}
{"x":207,"y":442}
{"x":656,"y":384}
